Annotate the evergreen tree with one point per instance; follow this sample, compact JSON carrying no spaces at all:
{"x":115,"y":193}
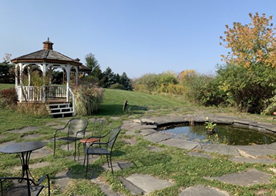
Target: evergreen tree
{"x":109,"y":78}
{"x":126,"y":82}
{"x":92,"y":63}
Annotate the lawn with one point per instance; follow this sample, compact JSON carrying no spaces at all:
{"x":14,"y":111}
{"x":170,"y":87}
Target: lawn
{"x":171,"y":163}
{"x":5,"y":86}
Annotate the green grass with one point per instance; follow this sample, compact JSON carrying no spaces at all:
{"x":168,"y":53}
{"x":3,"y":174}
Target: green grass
{"x":5,"y":86}
{"x":172,"y":163}
{"x":138,"y":102}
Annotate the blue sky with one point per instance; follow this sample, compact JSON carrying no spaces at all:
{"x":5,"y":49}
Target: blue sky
{"x":132,"y":36}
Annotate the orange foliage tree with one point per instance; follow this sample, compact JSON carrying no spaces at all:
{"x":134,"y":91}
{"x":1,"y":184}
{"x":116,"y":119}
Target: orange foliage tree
{"x":251,"y":43}
{"x":186,"y":75}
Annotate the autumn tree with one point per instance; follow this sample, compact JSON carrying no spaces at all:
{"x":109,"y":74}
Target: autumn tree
{"x":252,"y":43}
{"x":186,"y":75}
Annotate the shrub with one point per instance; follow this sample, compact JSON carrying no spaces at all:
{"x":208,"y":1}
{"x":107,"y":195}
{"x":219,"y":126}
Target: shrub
{"x":8,"y":96}
{"x":250,"y":89}
{"x":117,"y":86}
{"x":88,"y":99}
{"x":35,"y":109}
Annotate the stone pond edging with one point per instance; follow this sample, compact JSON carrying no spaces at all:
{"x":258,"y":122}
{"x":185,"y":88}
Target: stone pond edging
{"x":147,"y":126}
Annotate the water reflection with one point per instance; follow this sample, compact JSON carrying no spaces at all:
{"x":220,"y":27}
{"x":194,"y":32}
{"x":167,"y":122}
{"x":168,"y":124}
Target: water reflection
{"x":224,"y":134}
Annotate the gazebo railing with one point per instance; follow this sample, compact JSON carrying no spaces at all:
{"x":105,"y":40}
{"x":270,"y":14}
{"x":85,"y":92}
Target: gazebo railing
{"x":41,"y":94}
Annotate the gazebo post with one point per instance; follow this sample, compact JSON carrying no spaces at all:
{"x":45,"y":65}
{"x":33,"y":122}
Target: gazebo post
{"x":68,"y":70}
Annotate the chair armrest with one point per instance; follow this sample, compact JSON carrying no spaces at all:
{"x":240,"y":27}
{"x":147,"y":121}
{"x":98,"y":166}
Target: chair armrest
{"x":97,"y":143}
{"x":42,"y":179}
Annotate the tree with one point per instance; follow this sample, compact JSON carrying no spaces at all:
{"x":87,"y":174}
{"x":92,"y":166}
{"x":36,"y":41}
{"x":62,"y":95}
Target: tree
{"x":252,"y":43}
{"x":126,"y":82}
{"x":109,"y":78}
{"x":92,"y":63}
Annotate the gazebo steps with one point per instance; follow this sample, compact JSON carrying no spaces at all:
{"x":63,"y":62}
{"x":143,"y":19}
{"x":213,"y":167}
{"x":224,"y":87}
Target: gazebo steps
{"x":61,"y":109}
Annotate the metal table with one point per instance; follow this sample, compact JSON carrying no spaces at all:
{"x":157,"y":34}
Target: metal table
{"x":24,"y":149}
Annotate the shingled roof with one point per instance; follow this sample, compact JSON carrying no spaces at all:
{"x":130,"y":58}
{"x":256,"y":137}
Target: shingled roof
{"x":46,"y":55}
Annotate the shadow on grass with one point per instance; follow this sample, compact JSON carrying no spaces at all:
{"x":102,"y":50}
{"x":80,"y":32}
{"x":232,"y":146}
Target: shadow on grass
{"x":117,"y":109}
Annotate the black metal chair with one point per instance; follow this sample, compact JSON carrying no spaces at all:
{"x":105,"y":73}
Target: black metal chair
{"x":91,"y":150}
{"x":10,"y":186}
{"x":76,"y":128}
{"x":97,"y":128}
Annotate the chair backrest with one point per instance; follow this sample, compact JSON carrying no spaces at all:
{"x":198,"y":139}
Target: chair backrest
{"x":77,"y":125}
{"x":113,"y":136}
{"x":97,"y":127}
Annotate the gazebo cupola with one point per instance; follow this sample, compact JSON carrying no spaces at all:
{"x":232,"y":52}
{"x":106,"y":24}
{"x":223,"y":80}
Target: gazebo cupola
{"x":45,"y":60}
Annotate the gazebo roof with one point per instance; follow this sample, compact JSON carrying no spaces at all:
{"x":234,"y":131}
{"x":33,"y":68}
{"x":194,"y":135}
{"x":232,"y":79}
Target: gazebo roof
{"x":46,"y":55}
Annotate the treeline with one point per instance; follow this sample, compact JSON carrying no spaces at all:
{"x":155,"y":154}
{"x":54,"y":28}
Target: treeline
{"x":246,"y":81}
{"x":107,"y":78}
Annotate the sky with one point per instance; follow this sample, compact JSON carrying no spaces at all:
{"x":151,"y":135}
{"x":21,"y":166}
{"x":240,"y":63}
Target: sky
{"x":132,"y":36}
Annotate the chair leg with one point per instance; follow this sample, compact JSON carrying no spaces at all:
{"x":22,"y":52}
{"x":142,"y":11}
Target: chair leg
{"x":54,"y":146}
{"x":79,"y":151}
{"x":107,"y":161}
{"x":87,"y":162}
{"x":111,"y":163}
{"x":75,"y":150}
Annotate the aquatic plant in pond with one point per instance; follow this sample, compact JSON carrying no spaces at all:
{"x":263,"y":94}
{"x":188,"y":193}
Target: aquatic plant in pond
{"x":224,"y":134}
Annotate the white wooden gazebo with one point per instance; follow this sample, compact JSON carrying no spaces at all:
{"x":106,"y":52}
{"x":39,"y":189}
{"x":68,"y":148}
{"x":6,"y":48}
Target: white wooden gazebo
{"x":46,"y":60}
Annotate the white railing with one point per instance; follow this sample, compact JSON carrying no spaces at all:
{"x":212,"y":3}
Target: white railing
{"x":56,"y":91}
{"x":35,"y":93}
{"x":72,"y":98}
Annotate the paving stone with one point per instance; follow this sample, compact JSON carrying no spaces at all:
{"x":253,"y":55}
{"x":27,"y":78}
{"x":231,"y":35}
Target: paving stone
{"x":145,"y":132}
{"x":118,"y":165}
{"x":71,"y":146}
{"x":32,"y":136}
{"x":179,"y":143}
{"x":132,"y":132}
{"x":200,"y":190}
{"x":34,"y":166}
{"x":148,"y":183}
{"x":42,"y":152}
{"x":248,"y":178}
{"x":62,"y":179}
{"x":155,"y":149}
{"x":105,"y":188}
{"x":51,"y":124}
{"x":138,"y":121}
{"x":115,"y":118}
{"x":63,"y":120}
{"x":157,"y":137}
{"x":252,"y":160}
{"x":221,"y":149}
{"x":147,"y":121}
{"x":130,"y":141}
{"x":24,"y":130}
{"x":130,"y":186}
{"x":59,"y":127}
{"x":196,"y":154}
{"x":257,"y":150}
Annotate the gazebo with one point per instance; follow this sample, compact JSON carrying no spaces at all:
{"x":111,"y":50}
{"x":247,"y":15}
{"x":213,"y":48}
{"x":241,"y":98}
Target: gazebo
{"x":60,"y":99}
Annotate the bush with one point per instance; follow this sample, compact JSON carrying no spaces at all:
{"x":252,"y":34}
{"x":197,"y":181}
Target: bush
{"x":117,"y":86}
{"x":8,"y":97}
{"x":35,"y":109}
{"x":88,"y":99}
{"x":249,"y":89}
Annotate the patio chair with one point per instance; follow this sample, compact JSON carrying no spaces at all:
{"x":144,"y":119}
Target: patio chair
{"x":76,"y":128}
{"x":107,"y":151}
{"x":97,"y":128}
{"x":10,"y":186}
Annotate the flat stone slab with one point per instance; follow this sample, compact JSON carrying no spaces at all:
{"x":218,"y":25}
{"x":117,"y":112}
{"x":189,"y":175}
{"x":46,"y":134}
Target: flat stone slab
{"x":130,"y":141}
{"x":42,"y":152}
{"x":200,"y":190}
{"x":155,"y":149}
{"x":131,"y":187}
{"x":147,"y":121}
{"x":24,"y":130}
{"x":258,"y":150}
{"x":61,"y":180}
{"x":105,"y":188}
{"x":115,"y":118}
{"x":196,"y":154}
{"x":221,"y":149}
{"x":32,"y":136}
{"x":145,"y":132}
{"x":148,"y":183}
{"x":157,"y":137}
{"x":118,"y":165}
{"x":248,"y":178}
{"x":51,"y":124}
{"x":71,"y":147}
{"x":174,"y":142}
{"x":252,"y":160}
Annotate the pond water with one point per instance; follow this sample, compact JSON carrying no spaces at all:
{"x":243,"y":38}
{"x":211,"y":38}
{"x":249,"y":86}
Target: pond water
{"x":223,"y":134}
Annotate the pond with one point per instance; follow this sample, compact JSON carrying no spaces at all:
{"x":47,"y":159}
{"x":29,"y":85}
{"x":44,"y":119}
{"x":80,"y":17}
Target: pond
{"x":224,"y":134}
